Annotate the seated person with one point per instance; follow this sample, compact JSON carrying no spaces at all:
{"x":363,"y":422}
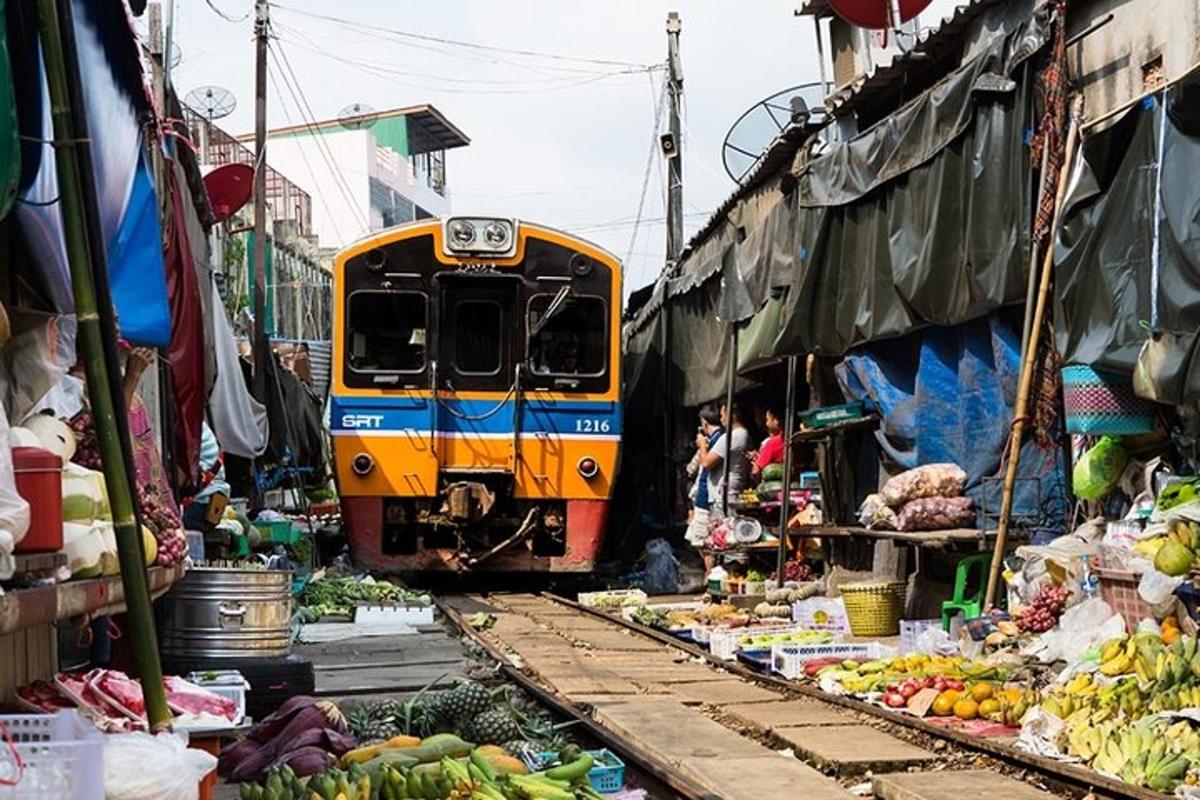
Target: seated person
{"x":772,"y":448}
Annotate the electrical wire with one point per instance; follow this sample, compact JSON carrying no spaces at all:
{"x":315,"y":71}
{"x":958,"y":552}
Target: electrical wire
{"x":390,"y":75}
{"x":225,"y":16}
{"x":641,"y":206}
{"x":461,"y":43}
{"x":306,"y":112}
{"x":408,"y":70}
{"x":304,"y":155}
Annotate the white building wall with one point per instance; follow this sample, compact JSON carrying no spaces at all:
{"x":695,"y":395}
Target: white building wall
{"x":339,"y":183}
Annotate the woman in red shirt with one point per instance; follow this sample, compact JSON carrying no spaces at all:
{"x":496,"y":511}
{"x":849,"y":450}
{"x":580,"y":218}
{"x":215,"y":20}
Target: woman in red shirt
{"x":771,"y":451}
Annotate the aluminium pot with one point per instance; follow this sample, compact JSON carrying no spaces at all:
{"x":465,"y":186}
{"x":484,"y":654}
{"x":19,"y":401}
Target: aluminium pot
{"x":227,"y":613}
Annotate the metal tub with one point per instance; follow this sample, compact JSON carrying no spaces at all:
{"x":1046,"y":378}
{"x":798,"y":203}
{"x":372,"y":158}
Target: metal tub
{"x":227,"y":613}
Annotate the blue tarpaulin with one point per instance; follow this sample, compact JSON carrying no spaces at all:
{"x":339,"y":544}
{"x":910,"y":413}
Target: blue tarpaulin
{"x":115,"y":98}
{"x":946,"y":394}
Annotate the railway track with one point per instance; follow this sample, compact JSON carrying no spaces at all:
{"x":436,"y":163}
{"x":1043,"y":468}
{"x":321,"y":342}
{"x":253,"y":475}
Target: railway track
{"x":709,"y":728}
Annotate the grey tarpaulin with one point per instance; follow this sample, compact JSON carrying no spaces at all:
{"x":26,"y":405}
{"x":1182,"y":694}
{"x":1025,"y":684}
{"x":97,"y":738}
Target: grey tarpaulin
{"x":238,"y":420}
{"x":1104,"y":266}
{"x":942,"y":243}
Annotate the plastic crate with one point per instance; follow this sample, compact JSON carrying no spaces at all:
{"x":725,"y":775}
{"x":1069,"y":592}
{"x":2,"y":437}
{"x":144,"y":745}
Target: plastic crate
{"x":226,"y":683}
{"x":63,"y":755}
{"x":789,"y":659}
{"x":278,"y":531}
{"x":722,"y":642}
{"x":606,"y":777}
{"x":1120,"y":590}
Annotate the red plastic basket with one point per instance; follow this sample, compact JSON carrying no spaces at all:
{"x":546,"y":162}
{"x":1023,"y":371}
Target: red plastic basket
{"x":1120,"y":590}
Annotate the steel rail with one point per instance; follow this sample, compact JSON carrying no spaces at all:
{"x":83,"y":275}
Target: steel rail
{"x":1076,"y":777}
{"x":660,"y":771}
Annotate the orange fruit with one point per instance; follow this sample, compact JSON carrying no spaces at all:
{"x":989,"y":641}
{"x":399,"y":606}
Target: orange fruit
{"x":1169,"y":635}
{"x":966,"y":708}
{"x":990,"y":708}
{"x":943,"y":705}
{"x":982,"y":691}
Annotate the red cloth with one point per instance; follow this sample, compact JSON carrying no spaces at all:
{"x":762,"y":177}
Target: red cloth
{"x":771,"y":451}
{"x":186,"y":352}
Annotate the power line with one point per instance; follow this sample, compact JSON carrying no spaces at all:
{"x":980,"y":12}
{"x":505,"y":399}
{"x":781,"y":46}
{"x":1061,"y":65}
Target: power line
{"x":659,"y":106}
{"x":309,"y":120}
{"x":304,"y":155}
{"x":461,"y":43}
{"x":225,"y":16}
{"x":390,"y":75}
{"x":410,"y":71}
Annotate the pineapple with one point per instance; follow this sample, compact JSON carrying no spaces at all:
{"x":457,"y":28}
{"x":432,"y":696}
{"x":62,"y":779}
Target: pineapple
{"x":492,"y":727}
{"x":468,"y":699}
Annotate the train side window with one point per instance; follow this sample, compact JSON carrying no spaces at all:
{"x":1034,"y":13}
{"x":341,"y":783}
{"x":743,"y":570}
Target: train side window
{"x":571,"y":342}
{"x":386,"y":332}
{"x":478,"y":337}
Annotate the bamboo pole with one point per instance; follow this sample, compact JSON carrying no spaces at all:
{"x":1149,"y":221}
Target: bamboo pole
{"x":1027,"y":364}
{"x":789,"y":429}
{"x":73,"y":205}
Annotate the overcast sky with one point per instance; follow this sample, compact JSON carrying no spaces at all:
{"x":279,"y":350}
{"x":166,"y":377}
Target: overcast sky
{"x":556,"y":141}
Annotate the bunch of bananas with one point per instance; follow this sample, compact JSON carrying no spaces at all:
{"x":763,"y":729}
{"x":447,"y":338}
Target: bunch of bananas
{"x":1145,"y":755}
{"x":1175,"y":699}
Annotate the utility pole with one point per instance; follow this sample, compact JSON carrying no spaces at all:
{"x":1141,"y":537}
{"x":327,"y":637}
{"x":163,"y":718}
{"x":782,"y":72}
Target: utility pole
{"x":674,"y":146}
{"x":261,"y":353}
{"x":674,"y":152}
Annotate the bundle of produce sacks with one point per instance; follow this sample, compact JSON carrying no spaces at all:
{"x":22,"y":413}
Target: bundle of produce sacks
{"x":923,"y":499}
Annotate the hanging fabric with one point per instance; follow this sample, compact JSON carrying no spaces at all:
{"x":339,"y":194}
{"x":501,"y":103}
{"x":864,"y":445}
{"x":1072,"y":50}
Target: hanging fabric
{"x":238,"y":420}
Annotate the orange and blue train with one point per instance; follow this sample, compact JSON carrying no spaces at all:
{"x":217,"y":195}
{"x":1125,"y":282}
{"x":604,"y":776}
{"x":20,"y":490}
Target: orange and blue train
{"x":475,"y":406}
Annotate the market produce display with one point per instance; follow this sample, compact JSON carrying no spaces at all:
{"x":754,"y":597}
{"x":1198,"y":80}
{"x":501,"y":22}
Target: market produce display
{"x":1044,"y":611}
{"x":339,"y":596}
{"x":304,"y":734}
{"x":470,"y":710}
{"x":464,"y":772}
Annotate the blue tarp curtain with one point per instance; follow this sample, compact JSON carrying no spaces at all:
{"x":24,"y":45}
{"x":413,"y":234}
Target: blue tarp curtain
{"x":129,"y":215}
{"x":946,"y":394}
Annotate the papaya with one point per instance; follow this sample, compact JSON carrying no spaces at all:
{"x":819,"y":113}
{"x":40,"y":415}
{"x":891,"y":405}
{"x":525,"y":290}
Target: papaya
{"x":505,"y":764}
{"x":390,"y":757}
{"x":490,"y":750}
{"x":403,"y":741}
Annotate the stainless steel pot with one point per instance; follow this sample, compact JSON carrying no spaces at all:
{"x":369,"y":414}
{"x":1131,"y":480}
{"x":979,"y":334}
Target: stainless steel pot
{"x":227,"y":613}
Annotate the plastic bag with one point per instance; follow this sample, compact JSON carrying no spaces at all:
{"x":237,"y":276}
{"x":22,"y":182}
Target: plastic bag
{"x":930,"y":480}
{"x":1099,"y":469}
{"x":662,"y":570}
{"x":14,"y":511}
{"x":34,"y":360}
{"x":876,"y":514}
{"x":936,"y":513}
{"x":1081,"y":627}
{"x":139,"y":766}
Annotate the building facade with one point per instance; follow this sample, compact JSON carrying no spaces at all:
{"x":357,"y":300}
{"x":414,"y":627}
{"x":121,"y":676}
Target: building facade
{"x":369,"y":171}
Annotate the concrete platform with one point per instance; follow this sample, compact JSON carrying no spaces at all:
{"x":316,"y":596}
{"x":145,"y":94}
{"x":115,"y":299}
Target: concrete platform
{"x":787,"y":714}
{"x":854,"y":749}
{"x":954,"y":785}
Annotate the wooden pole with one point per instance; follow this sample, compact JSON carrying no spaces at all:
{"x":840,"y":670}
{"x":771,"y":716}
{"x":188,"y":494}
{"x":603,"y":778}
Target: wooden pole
{"x":727,"y":461}
{"x":261,"y":354}
{"x":789,"y":429}
{"x":1027,"y":364}
{"x":73,"y":204}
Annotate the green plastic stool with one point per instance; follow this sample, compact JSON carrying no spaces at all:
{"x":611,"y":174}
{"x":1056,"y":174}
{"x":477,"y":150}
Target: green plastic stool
{"x":972,"y":606}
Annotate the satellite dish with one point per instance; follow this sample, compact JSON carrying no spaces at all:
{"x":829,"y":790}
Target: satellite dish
{"x":761,"y":124}
{"x":211,"y":102}
{"x":176,"y":55}
{"x":357,"y":116}
{"x":876,"y":14}
{"x":229,"y":187}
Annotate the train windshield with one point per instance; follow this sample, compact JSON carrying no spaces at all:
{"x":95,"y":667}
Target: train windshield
{"x":386,"y":331}
{"x":572,"y":341}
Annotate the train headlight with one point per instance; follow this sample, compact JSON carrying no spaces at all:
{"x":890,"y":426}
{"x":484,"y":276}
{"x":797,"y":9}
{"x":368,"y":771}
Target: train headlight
{"x":480,"y":236}
{"x":496,"y":235}
{"x":588,"y":467}
{"x":462,"y":234}
{"x":362,"y":464}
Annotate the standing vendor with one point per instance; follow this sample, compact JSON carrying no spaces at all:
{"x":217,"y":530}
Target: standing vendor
{"x":772,"y":449}
{"x":705,"y":485}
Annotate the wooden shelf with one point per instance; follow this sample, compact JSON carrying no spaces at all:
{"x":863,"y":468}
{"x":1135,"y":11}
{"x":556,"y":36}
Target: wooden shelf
{"x":41,"y":605}
{"x":920,"y":538}
{"x":868,"y":422}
